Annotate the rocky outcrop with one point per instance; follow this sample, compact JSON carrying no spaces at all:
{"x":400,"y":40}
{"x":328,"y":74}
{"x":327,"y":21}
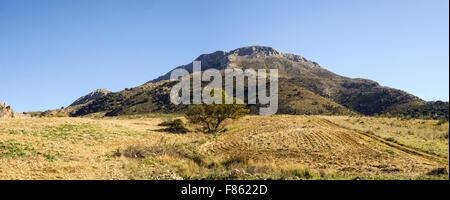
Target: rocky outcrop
{"x":6,"y":111}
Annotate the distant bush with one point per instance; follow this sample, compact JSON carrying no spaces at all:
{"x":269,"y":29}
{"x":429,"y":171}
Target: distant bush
{"x":387,"y":115}
{"x":58,"y":114}
{"x":403,"y":117}
{"x":303,"y":174}
{"x":33,"y":114}
{"x":175,"y":126}
{"x":441,"y":121}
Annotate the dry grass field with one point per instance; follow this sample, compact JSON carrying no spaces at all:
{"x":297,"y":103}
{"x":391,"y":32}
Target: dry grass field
{"x":254,"y":147}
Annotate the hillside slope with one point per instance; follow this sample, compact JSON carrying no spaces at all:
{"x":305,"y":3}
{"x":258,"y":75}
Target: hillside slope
{"x":154,"y":97}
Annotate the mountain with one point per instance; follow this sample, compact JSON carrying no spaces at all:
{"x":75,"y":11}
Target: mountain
{"x":362,"y":95}
{"x":305,"y":88}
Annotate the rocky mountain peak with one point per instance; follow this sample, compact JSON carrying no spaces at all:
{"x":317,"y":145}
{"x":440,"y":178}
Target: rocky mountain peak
{"x":221,"y":60}
{"x":97,"y":91}
{"x":254,"y":51}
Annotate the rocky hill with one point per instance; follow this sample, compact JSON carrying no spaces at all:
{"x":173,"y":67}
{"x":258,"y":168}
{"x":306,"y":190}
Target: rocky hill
{"x":305,"y":88}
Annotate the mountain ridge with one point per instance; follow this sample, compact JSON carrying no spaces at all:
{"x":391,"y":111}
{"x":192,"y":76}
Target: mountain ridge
{"x":221,"y":59}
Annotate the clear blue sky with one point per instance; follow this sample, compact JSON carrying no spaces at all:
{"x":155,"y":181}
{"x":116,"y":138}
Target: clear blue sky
{"x":52,"y":52}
